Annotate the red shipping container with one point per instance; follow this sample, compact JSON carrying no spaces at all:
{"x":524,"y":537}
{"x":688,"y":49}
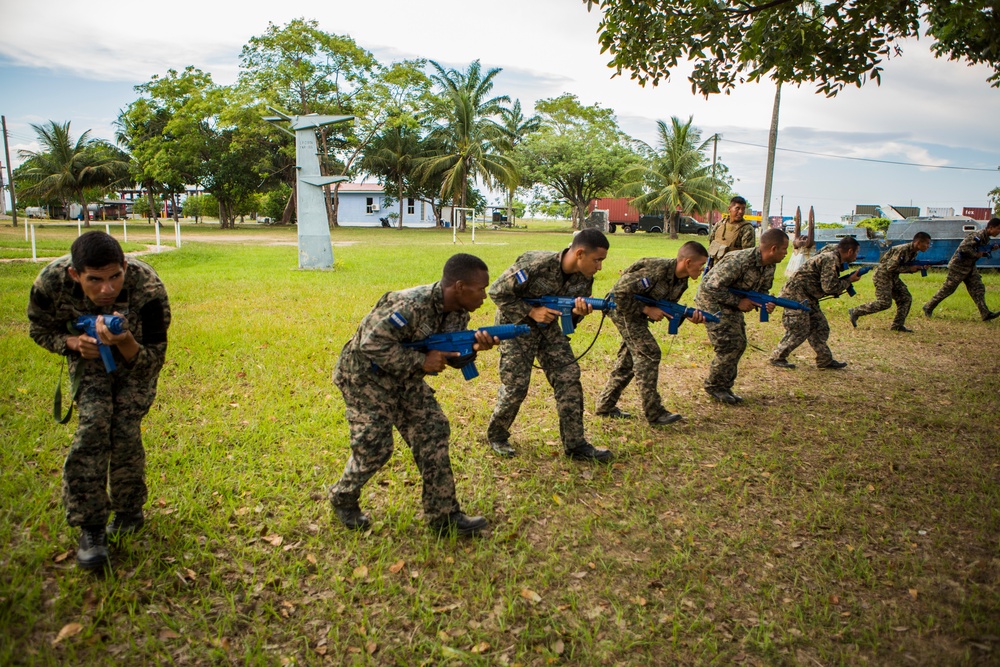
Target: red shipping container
{"x":978,"y":212}
{"x":618,"y":208}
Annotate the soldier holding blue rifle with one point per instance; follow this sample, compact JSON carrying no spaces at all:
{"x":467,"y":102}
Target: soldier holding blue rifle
{"x":819,"y":276}
{"x":888,"y":285}
{"x":655,"y":279}
{"x":381,"y":374}
{"x":536,"y":274}
{"x":123,"y":310}
{"x":962,"y":269}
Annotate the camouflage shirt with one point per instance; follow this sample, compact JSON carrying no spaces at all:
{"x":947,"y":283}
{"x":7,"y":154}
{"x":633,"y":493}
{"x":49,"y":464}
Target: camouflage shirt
{"x":818,"y":276}
{"x":652,"y":277}
{"x":967,"y":253}
{"x":376,"y":352}
{"x":726,"y":238}
{"x":894,"y":258}
{"x":536,"y":273}
{"x":57,"y":300}
{"x":742,"y":269}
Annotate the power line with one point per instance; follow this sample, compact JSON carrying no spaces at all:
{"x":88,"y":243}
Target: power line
{"x":865,"y":159}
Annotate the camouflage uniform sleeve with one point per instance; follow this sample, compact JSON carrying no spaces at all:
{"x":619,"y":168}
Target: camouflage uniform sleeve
{"x":716,"y":284}
{"x":45,"y":329}
{"x":767,"y":279}
{"x":508,"y":293}
{"x":969,"y":247}
{"x":387,"y":327}
{"x":630,"y":284}
{"x":747,"y":237}
{"x":895,"y":260}
{"x":829,"y":276}
{"x":154,"y":314}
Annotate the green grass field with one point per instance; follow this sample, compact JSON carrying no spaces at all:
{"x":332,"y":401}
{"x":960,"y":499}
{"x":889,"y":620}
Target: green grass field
{"x":835,"y":518}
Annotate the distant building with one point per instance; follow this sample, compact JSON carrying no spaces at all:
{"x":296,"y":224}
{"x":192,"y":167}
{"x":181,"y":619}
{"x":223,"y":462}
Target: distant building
{"x":978,"y":212}
{"x":366,"y":204}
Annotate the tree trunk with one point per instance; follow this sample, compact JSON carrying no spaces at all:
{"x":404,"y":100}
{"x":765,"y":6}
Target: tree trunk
{"x":674,"y":216}
{"x":462,"y":212}
{"x":286,"y":215}
{"x":152,"y":209}
{"x":334,"y":199}
{"x":399,"y":186}
{"x":510,"y":206}
{"x":173,"y":206}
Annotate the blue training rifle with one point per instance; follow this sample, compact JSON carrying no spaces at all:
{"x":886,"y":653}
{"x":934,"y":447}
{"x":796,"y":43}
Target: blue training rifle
{"x":850,"y":288}
{"x":676,"y":311}
{"x":88,"y":325}
{"x":761,"y":300}
{"x":462,"y":342}
{"x":565,"y":306}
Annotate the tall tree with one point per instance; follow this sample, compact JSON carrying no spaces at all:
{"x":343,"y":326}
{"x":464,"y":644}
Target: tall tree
{"x":517,"y":127}
{"x":834,"y":44}
{"x":65,"y":168}
{"x":677,"y":178}
{"x":137,"y":124}
{"x":392,"y":157}
{"x":471,"y":140}
{"x":578,"y":154}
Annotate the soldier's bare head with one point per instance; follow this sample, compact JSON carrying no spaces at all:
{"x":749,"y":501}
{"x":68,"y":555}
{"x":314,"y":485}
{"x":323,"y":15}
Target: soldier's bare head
{"x":848,"y":249}
{"x":773,"y":246}
{"x":97,"y":263}
{"x":922,"y":241}
{"x":993,"y":226}
{"x":464,"y":281}
{"x":737,"y":208}
{"x":691,"y":258}
{"x":586,"y":253}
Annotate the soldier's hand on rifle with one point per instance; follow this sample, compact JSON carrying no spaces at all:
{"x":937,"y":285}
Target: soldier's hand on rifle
{"x":582,"y":308}
{"x":124,"y":341}
{"x":436,"y":360}
{"x":653,"y":313}
{"x":746,"y":305}
{"x":854,"y":277}
{"x":543,"y":315}
{"x":83,"y":345}
{"x":698,"y":317}
{"x":484,"y":341}
{"x":770,"y":307}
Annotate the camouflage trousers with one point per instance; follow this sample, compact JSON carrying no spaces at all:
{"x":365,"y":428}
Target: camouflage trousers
{"x":371,"y":411}
{"x":639,"y":358}
{"x":888,"y":288}
{"x":729,"y":338}
{"x":555,"y":356}
{"x":801,"y":326}
{"x":973,"y":282}
{"x":105,"y":469}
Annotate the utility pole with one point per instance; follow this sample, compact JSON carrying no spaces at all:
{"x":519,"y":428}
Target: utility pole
{"x":715,"y":153}
{"x":3,"y":200}
{"x":10,"y":174}
{"x":772,"y":142}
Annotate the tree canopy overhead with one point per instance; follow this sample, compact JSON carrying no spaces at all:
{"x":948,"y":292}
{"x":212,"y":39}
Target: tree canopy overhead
{"x":835,"y":44}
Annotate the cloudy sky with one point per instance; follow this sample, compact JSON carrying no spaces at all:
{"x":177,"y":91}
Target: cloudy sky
{"x":79,"y":62}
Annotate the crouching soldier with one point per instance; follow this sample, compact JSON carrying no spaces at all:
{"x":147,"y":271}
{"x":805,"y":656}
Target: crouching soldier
{"x":819,"y":276}
{"x":383,"y":386}
{"x":106,"y":465}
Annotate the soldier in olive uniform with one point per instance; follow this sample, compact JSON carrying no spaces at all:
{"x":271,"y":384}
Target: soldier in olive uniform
{"x":639,"y":354}
{"x":962,"y":269}
{"x":752,"y":270}
{"x":383,"y":386}
{"x":888,"y":285}
{"x":105,"y":467}
{"x":819,"y":276}
{"x":569,"y":273}
{"x":732,"y":233}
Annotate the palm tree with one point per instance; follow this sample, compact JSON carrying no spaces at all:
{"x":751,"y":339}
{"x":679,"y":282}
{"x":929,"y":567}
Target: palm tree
{"x":391,"y":156}
{"x":137,"y":124}
{"x":677,"y":178}
{"x":516,"y":127}
{"x":471,"y":140}
{"x":64,"y":169}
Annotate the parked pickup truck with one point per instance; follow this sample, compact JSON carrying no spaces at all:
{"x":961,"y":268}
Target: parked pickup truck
{"x":686,"y":225}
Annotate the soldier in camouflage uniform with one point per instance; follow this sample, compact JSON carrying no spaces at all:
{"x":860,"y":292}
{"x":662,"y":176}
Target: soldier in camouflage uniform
{"x":752,"y":270}
{"x":819,"y":276}
{"x":732,"y":233}
{"x":962,"y":269}
{"x":569,"y":273}
{"x":383,"y":386}
{"x":888,"y":285}
{"x":639,"y":354}
{"x":105,"y":467}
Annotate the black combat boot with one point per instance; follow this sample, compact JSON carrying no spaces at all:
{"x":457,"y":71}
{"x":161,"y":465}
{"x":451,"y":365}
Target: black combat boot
{"x":353,"y":517}
{"x":459,"y":523}
{"x":92,"y":552}
{"x":587,"y":452}
{"x":125,"y":523}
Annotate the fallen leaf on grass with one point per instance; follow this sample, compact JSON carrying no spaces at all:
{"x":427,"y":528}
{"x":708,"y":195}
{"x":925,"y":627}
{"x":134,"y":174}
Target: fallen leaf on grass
{"x":274,"y":540}
{"x":67,"y":631}
{"x":530,"y":595}
{"x":558,"y":647}
{"x":556,"y":499}
{"x":443,"y":636}
{"x":481,"y":647}
{"x":167,"y":633}
{"x":192,"y":575}
{"x":578,"y":575}
{"x":446,"y":608}
{"x":913,"y":593}
{"x":371,"y":647}
{"x":397,"y":566}
{"x":901,"y":628}
{"x":360,"y":572}
{"x":311,"y":559}
{"x":61,"y":557}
